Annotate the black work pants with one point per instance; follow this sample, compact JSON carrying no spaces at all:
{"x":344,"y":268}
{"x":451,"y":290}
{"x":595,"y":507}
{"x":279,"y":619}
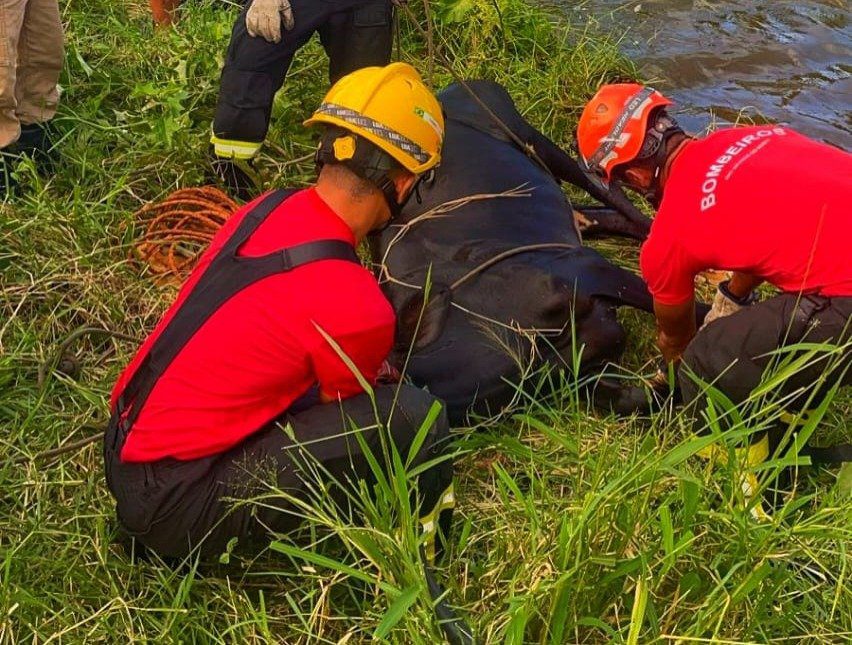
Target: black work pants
{"x":179,"y":507}
{"x":354,"y":33}
{"x":732,"y":353}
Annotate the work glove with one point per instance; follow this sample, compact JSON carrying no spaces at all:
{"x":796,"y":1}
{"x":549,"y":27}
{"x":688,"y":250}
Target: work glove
{"x":725,"y":303}
{"x":264,"y":17}
{"x":236,"y":181}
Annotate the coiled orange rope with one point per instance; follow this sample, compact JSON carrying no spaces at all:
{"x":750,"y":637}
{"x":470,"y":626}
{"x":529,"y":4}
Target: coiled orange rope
{"x":179,"y":228}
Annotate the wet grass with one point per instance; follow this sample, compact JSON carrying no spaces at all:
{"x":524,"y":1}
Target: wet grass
{"x":571,"y":527}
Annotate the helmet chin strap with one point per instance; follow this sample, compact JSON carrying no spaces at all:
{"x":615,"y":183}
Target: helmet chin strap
{"x":658,"y":135}
{"x":388,"y":189}
{"x":654,"y":192}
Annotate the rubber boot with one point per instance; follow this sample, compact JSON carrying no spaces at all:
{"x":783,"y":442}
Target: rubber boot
{"x":36,"y":142}
{"x":436,"y":525}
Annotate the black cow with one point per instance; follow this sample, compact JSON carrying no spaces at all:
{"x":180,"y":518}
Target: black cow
{"x":477,"y":336}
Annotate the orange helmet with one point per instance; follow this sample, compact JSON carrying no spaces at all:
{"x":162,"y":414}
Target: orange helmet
{"x":613,"y":125}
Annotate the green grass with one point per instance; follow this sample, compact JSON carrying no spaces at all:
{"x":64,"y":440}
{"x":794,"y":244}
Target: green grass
{"x":571,"y":527}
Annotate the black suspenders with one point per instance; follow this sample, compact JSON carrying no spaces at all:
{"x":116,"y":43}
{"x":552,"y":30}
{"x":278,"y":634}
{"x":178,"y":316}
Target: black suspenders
{"x":227,"y":275}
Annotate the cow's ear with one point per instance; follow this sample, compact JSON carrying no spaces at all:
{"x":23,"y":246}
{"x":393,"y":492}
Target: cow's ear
{"x":421,"y":323}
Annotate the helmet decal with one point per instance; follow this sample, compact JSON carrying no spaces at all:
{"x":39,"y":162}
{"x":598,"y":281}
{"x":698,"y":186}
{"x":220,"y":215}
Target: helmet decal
{"x":428,"y":118}
{"x":344,"y":148}
{"x":632,"y":110}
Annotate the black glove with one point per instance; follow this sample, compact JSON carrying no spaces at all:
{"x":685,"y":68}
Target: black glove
{"x":233,"y":178}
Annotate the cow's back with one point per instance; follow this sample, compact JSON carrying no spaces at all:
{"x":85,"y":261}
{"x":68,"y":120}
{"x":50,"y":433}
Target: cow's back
{"x":488,"y":339}
{"x":478,"y":160}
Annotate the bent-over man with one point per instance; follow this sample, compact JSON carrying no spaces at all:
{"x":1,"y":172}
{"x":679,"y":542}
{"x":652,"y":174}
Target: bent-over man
{"x":764,"y":202}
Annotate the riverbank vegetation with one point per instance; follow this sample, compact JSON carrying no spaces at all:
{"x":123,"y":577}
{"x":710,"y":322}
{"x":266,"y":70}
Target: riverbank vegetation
{"x":571,"y":526}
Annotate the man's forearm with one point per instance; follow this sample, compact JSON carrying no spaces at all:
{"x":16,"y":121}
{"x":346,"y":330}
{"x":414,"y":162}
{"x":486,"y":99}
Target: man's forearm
{"x":675,"y":328}
{"x":672,"y":347}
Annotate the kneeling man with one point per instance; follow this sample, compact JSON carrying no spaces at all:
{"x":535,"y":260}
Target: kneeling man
{"x":240,"y":389}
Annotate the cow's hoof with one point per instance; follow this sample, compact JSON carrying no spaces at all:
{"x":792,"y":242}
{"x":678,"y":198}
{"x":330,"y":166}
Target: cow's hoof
{"x":632,"y":400}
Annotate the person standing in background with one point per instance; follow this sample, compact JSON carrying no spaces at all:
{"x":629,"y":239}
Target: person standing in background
{"x":31,"y":55}
{"x":265,"y":38}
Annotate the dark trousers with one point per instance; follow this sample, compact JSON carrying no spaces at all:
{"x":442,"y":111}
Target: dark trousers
{"x":732,"y":353}
{"x":354,"y":33}
{"x":177,"y":507}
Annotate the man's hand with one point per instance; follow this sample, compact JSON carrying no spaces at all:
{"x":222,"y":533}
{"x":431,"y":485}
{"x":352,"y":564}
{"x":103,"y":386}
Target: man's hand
{"x":664,"y":384}
{"x":731,"y":296}
{"x":264,"y":17}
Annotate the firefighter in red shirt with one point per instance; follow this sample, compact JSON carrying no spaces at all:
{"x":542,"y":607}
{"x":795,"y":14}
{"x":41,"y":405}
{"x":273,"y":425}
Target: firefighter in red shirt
{"x":241,"y":388}
{"x":763,"y":202}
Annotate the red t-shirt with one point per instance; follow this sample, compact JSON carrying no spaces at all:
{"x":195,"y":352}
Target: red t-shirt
{"x":763,"y":200}
{"x":261,"y":350}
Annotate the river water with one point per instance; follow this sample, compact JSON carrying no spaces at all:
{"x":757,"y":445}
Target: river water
{"x":788,"y":62}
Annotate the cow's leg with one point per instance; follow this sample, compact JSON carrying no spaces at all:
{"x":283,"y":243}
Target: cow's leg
{"x":625,"y":288}
{"x":599,"y":221}
{"x":600,"y":341}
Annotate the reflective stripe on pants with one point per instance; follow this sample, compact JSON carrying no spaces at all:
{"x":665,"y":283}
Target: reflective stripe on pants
{"x":354,"y":33}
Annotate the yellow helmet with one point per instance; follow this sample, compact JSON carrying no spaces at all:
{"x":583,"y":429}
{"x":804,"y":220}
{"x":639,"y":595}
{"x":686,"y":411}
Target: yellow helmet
{"x":391,"y":107}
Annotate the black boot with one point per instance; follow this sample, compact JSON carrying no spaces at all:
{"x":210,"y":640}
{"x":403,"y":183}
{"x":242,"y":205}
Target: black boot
{"x":36,"y":141}
{"x":34,"y":137}
{"x":236,"y":181}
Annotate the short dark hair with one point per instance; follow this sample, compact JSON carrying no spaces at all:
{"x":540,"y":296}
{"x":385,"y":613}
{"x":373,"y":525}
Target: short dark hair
{"x":357,"y":186}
